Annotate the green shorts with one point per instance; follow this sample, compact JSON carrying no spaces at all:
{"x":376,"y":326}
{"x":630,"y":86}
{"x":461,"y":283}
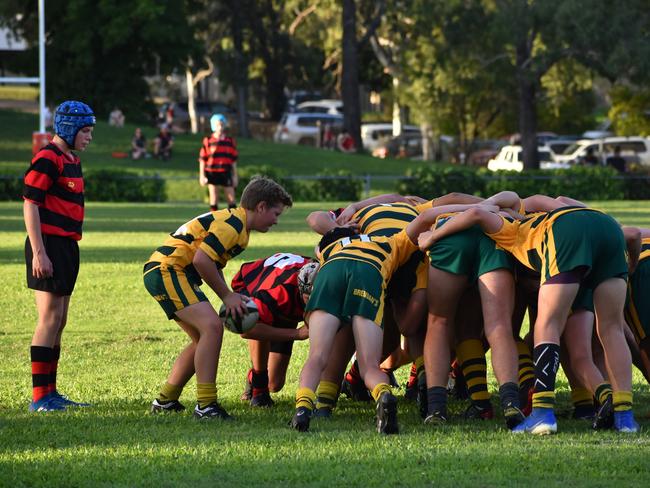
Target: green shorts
{"x":345,"y":288}
{"x":584,"y":300}
{"x":470,"y":253}
{"x":171,"y":287}
{"x":585,"y":238}
{"x":637,"y":308}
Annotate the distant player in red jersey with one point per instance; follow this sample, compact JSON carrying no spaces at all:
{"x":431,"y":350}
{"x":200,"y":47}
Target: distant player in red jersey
{"x":54,"y":211}
{"x":280,"y":286}
{"x":218,"y":163}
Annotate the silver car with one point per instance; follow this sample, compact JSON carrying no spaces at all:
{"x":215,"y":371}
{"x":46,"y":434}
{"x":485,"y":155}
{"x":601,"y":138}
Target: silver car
{"x":304,"y":128}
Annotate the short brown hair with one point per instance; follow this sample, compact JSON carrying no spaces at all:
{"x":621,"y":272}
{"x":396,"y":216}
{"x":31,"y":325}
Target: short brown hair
{"x":261,"y":189}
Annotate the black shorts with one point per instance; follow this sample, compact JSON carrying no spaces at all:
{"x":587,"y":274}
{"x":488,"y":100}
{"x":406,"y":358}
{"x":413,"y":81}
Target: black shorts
{"x":219,"y":179}
{"x":64,"y":254}
{"x":285,"y":347}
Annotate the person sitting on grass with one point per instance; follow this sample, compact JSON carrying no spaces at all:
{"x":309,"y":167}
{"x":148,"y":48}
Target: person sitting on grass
{"x":163,"y":143}
{"x":280,"y":286}
{"x":198,"y":251}
{"x":139,"y":145}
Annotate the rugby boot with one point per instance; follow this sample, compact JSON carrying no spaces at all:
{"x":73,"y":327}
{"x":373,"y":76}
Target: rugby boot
{"x":513,"y":416}
{"x":604,"y":418}
{"x":212,"y":411}
{"x":46,"y":404}
{"x":479,"y":412}
{"x":323,"y":412}
{"x":65,"y":401}
{"x":456,"y":385}
{"x":624,"y":422}
{"x":541,"y":421}
{"x":437,"y":417}
{"x":248,"y":390}
{"x":159,"y":406}
{"x":355,"y":389}
{"x":583,"y":412}
{"x":300,"y":420}
{"x":387,"y":414}
{"x":262,"y":399}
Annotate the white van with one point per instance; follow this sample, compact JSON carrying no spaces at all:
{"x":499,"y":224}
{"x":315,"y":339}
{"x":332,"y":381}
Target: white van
{"x":509,"y":159}
{"x":633,"y":150}
{"x":374,"y":134}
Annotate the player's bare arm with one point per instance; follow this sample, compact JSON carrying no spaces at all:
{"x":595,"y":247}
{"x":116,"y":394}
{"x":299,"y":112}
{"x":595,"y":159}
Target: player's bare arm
{"x":234,"y":302}
{"x":41,"y":264}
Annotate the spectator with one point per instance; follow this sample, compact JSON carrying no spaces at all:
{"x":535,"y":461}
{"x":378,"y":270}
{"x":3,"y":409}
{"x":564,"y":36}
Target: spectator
{"x":590,"y":159}
{"x":163,"y":143}
{"x":345,"y":142}
{"x":116,"y":118}
{"x":616,"y":161}
{"x":139,"y":145}
{"x":47,"y":117}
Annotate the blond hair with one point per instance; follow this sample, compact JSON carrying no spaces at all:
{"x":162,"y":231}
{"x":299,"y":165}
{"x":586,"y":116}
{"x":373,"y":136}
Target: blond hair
{"x":261,"y":189}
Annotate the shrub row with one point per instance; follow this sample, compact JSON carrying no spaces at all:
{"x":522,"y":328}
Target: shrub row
{"x":583,"y":183}
{"x":101,"y":186}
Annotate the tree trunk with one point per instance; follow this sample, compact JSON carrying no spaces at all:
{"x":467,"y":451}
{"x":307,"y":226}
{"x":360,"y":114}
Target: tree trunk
{"x":241,"y":74}
{"x":527,"y":110}
{"x":350,"y":75}
{"x":191,"y":105}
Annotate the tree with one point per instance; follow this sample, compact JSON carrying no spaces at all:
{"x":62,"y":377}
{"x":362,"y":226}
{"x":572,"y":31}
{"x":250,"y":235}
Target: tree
{"x":101,"y":51}
{"x":350,"y":78}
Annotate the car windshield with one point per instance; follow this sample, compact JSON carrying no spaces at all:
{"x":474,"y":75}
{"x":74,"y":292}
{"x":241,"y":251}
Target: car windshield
{"x":545,"y":156}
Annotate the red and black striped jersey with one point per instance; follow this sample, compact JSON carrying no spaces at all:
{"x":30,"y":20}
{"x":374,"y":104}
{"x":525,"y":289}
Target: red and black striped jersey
{"x":55,"y":183}
{"x":218,"y":154}
{"x":272,"y":283}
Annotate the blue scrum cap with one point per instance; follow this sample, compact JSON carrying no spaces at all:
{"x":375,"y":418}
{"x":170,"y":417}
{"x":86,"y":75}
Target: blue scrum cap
{"x":70,"y":117}
{"x":215,"y":119}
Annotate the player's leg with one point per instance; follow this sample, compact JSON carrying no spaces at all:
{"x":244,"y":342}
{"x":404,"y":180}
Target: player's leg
{"x":204,"y":319}
{"x":334,"y":372}
{"x":554,"y":304}
{"x":609,"y":301}
{"x":229,"y":192}
{"x":51,"y":310}
{"x":181,"y":372}
{"x":443,"y":295}
{"x":213,"y":196}
{"x":368,"y":337}
{"x":322,"y":331}
{"x":497,"y":289}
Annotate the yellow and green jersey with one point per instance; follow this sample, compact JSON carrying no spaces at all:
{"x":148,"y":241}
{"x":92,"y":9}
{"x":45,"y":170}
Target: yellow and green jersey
{"x":385,"y":219}
{"x":529,"y":239}
{"x":222,"y":235}
{"x":645,"y":249}
{"x":385,"y":254}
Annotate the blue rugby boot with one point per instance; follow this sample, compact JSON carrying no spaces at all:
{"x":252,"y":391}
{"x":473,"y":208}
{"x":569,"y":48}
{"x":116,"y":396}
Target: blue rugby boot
{"x":46,"y":404}
{"x":541,"y":421}
{"x":65,"y":401}
{"x":624,"y":422}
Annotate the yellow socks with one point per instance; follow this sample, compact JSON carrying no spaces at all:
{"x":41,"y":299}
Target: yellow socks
{"x":471,"y":357}
{"x":327,"y":394}
{"x":526,"y":369}
{"x":622,"y":400}
{"x":206,"y":393}
{"x":378,"y":390}
{"x":305,"y":397}
{"x":581,"y":397}
{"x":170,"y":392}
{"x":544,"y":399}
{"x":603,"y":391}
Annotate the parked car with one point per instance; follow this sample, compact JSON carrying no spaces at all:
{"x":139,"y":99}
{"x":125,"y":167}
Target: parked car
{"x":297,"y":97}
{"x":407,"y":145}
{"x":180,"y":116}
{"x":481,"y":151}
{"x":321,"y":107}
{"x":633,"y":149}
{"x":510,"y":159}
{"x":304,"y":128}
{"x":559,"y":145}
{"x":374,"y":135}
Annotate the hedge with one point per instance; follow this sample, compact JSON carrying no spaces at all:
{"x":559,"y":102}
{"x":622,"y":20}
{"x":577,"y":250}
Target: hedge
{"x":101,"y":186}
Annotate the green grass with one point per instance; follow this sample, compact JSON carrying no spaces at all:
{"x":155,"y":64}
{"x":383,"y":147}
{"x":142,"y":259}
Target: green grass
{"x":15,"y":153}
{"x":117,"y":350}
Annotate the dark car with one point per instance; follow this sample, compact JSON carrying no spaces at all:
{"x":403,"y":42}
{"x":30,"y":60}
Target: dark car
{"x":408,"y":145}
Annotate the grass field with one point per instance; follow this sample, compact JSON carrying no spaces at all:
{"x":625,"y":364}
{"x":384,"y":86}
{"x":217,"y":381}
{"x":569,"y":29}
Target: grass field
{"x":118,"y":348}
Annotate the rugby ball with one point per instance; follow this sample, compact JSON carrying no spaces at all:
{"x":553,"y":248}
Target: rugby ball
{"x":239,"y":325}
